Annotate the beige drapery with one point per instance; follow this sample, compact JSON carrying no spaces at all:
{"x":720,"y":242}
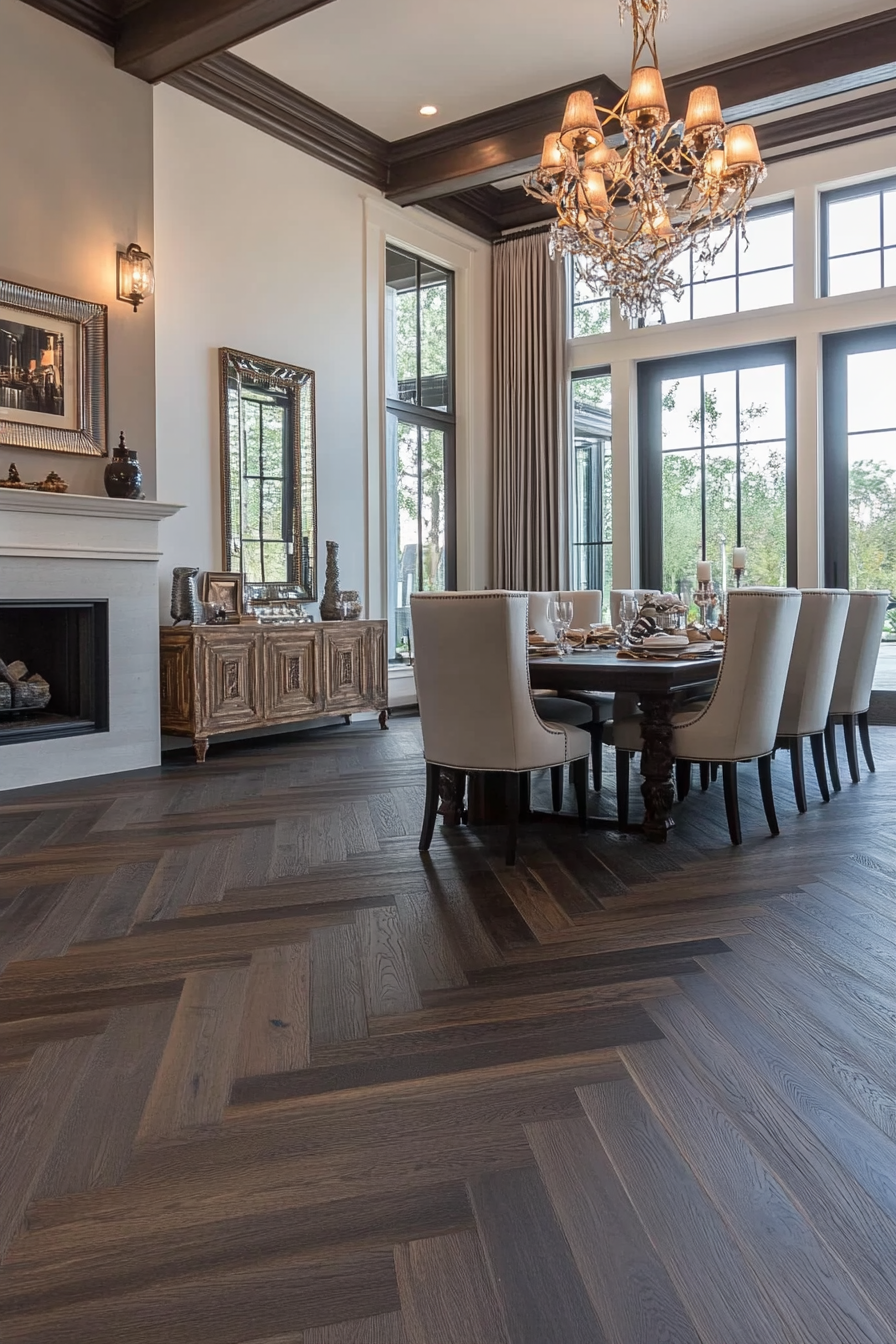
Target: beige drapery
{"x":529,"y":414}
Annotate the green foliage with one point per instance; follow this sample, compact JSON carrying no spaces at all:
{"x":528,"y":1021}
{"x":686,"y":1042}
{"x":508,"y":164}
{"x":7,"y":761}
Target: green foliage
{"x":872,"y":530}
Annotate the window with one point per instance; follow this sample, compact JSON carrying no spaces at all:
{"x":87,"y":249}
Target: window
{"x":858,"y":237}
{"x":592,"y":484}
{"x":717,"y":465}
{"x":756,"y":272}
{"x":860,"y":461}
{"x":419,"y":359}
{"x":590,"y":313}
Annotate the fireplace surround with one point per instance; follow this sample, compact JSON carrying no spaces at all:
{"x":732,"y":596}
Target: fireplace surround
{"x":67,"y":643}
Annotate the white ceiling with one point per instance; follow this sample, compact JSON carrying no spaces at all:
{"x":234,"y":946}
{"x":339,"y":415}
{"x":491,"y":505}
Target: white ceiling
{"x":379,"y":61}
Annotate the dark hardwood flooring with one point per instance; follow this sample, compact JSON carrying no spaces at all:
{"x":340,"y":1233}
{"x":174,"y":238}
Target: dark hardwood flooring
{"x":268,"y":1077}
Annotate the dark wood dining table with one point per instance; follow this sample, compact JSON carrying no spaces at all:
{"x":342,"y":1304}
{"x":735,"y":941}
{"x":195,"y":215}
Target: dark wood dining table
{"x":655,"y":682}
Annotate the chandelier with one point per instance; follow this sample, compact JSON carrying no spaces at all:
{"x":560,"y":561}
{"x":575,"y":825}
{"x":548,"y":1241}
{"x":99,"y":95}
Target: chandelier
{"x":626,"y":214}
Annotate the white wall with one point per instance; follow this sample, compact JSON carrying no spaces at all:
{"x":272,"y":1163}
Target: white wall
{"x":264,"y":249}
{"x":76,"y":175}
{"x":804,"y":321}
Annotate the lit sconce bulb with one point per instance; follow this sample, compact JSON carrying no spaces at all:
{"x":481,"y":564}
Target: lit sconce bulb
{"x":741,"y":148}
{"x":427,"y":110}
{"x":646,"y":103}
{"x":714,"y":164}
{"x":553,"y":155}
{"x":136,"y":280}
{"x":595,"y":190}
{"x":581,"y":127}
{"x":657,"y":222}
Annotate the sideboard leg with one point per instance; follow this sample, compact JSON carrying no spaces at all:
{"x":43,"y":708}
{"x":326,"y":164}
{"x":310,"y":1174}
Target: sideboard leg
{"x":200,"y":746}
{"x":347,"y":717}
{"x":384,"y":718}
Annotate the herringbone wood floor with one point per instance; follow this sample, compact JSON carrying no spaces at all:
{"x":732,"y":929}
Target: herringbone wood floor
{"x":265,"y":1075}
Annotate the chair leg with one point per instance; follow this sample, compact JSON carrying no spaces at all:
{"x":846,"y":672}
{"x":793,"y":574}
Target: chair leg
{"x":830,"y":746}
{"x":865,"y":738}
{"x":817,"y":743}
{"x":682,"y":779}
{"x":525,"y":796}
{"x":798,"y":772}
{"x":768,"y":797}
{"x":512,"y":795}
{"x":714,"y":771}
{"x":852,"y":755}
{"x":579,"y":772}
{"x":623,"y":770}
{"x":729,"y":783}
{"x":430,"y":807}
{"x":704,"y":775}
{"x":557,"y":787}
{"x":597,"y":758}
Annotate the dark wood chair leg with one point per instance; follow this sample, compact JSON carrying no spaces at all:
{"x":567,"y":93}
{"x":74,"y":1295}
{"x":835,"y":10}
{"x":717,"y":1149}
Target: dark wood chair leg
{"x":512,"y":786}
{"x":597,"y":757}
{"x":817,"y":743}
{"x":830,"y":746}
{"x":682,"y":779}
{"x":714,"y":771}
{"x":865,"y":738}
{"x":623,"y":771}
{"x":798,"y":772}
{"x":852,"y":755}
{"x":768,"y":797}
{"x":430,"y":807}
{"x":579,"y":772}
{"x":729,"y":783}
{"x":704,"y":775}
{"x":525,"y":797}
{"x":557,"y":787}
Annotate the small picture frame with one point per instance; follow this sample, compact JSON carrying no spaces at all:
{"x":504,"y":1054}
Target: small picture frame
{"x":225,"y":591}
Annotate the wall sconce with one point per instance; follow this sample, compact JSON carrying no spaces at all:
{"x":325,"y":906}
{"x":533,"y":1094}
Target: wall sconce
{"x":135,"y":276}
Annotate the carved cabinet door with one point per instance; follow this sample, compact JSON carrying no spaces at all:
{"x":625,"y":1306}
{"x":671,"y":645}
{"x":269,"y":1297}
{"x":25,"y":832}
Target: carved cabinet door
{"x":176,"y":683}
{"x":229,"y":681}
{"x":292,"y":674}
{"x":345,"y":666}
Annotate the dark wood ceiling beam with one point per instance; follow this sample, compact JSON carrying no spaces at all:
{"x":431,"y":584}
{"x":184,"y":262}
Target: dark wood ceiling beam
{"x":244,"y":91}
{"x":164,"y":36}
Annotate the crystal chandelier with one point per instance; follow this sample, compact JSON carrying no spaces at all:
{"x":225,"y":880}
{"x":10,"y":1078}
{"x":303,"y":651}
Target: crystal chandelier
{"x":626,"y":216}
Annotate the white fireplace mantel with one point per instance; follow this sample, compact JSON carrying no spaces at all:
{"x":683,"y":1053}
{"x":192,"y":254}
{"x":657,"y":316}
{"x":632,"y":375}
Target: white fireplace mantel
{"x":37,"y":523}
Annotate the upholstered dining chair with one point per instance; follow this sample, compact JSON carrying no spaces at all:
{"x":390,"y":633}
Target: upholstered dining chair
{"x":539,"y":613}
{"x":810,"y":683}
{"x":851,"y":696}
{"x":587,"y":605}
{"x":476,"y":706}
{"x":739,"y":722}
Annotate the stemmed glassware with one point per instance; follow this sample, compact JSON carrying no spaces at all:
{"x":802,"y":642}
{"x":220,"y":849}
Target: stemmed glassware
{"x":560,"y":617}
{"x":628,"y":614}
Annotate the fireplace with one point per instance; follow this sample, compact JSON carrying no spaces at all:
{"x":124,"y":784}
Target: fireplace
{"x":67,"y":644}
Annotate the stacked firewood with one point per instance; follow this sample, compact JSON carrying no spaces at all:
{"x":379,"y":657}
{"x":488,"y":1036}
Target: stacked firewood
{"x":19,"y":690}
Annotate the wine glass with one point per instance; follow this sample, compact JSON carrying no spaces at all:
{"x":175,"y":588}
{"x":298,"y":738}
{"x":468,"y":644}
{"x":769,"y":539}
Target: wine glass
{"x":560,"y":617}
{"x":629,"y":612}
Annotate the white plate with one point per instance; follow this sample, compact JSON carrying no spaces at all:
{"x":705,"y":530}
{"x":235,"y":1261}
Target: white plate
{"x":669,"y":642}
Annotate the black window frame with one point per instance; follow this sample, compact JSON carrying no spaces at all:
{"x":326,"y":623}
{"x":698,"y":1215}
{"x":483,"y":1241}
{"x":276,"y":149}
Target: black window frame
{"x":604,"y":544}
{"x":651,"y":375}
{"x":836,"y":350}
{"x":876,"y":187}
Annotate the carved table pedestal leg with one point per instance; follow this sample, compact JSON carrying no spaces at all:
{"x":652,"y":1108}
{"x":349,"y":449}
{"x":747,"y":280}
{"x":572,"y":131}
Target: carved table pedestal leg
{"x":452,"y":787}
{"x":384,"y":718}
{"x":200,"y":746}
{"x":657,"y":761}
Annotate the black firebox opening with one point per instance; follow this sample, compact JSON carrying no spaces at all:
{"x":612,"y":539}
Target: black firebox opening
{"x":66,"y":643}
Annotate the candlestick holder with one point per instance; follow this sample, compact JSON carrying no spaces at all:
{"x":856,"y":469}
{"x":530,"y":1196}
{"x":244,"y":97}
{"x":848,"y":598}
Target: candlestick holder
{"x":706,"y":599}
{"x":739,"y":571}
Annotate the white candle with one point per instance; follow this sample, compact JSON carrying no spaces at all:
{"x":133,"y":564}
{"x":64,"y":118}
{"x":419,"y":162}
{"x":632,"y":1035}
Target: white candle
{"x":739,"y":560}
{"x":704,"y":571}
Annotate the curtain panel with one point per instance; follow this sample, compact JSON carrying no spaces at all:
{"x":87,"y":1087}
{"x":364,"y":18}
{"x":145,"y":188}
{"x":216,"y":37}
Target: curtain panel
{"x":529,"y":401}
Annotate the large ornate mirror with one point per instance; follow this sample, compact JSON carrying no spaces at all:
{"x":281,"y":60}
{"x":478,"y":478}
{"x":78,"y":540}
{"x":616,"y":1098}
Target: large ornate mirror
{"x":267,"y":426}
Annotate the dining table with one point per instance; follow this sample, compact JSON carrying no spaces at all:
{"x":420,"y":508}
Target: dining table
{"x":657,"y":683}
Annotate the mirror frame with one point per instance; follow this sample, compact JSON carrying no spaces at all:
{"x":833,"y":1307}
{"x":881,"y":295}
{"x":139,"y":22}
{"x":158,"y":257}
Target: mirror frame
{"x":237,"y":368}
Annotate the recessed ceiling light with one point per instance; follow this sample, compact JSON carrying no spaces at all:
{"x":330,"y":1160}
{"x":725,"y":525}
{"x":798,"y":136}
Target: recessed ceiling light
{"x":428,"y":110}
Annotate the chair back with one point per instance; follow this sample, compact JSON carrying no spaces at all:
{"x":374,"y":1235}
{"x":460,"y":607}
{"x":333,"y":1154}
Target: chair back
{"x":539,"y":620}
{"x":859,"y":654}
{"x":472,"y":671}
{"x":813,"y":663}
{"x":587,"y":607}
{"x":740,"y":720}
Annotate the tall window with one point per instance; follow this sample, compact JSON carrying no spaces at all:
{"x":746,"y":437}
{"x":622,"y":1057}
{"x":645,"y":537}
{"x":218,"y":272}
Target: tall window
{"x":592,"y":483}
{"x":420,"y":428}
{"x":858,"y":237}
{"x":860,"y":461}
{"x":589,"y":313}
{"x":717,"y":465}
{"x":751,"y":271}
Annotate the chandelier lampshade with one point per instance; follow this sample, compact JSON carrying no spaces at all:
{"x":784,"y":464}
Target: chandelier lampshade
{"x":627,"y":210}
{"x":581,"y":127}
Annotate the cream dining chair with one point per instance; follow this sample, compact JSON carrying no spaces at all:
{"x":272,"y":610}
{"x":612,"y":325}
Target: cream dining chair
{"x":739,"y":722}
{"x":810,"y":682}
{"x":851,"y":696}
{"x":476,"y":706}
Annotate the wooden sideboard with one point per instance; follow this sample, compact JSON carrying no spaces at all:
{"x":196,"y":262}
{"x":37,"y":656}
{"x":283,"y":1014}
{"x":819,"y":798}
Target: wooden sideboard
{"x":227,"y":678}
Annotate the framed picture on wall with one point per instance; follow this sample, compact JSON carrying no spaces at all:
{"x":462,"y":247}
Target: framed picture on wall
{"x":224,"y":591}
{"x":53,"y":363}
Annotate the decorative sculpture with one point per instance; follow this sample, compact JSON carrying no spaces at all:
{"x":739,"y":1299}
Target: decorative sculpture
{"x":53,"y":485}
{"x":329,"y":603}
{"x":185,"y":604}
